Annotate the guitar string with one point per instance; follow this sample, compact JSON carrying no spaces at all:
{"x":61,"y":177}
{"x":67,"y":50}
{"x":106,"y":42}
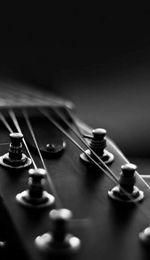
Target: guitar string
{"x":112,"y":177}
{"x":143,"y":211}
{"x":74,"y":122}
{"x":84,"y":142}
{"x":79,"y":124}
{"x":73,"y":141}
{"x":49,"y":179}
{"x":33,"y":136}
{"x":139,"y":175}
{"x":24,"y":112}
{"x":80,"y":136}
{"x":5,"y":123}
{"x":129,"y":196}
{"x":2,"y":118}
{"x":98,"y":165}
{"x":15,"y":121}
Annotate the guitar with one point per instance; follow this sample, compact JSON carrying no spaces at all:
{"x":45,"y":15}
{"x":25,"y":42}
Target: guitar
{"x":66,"y":190}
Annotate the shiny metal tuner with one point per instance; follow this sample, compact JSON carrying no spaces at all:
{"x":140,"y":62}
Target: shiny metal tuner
{"x":58,"y":240}
{"x":35,"y":195}
{"x":126,"y":191}
{"x":15,"y":158}
{"x":98,"y":144}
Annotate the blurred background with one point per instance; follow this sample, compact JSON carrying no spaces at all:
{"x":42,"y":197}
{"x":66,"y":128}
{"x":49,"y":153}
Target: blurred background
{"x":98,"y":57}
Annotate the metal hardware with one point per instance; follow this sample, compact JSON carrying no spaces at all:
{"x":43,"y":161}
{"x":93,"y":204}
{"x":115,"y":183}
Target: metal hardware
{"x":98,"y":145}
{"x":15,"y":158}
{"x":127,"y":183}
{"x":58,"y":240}
{"x":36,"y":196}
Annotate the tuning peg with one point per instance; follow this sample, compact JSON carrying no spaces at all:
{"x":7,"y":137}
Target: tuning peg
{"x":35,"y":195}
{"x":144,"y":236}
{"x":58,"y":240}
{"x":97,"y":144}
{"x":126,"y":190}
{"x":15,"y":158}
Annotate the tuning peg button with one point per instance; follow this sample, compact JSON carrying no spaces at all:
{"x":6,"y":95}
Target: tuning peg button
{"x":35,"y":195}
{"x":144,"y":236}
{"x":99,"y":133}
{"x":98,"y":144}
{"x":58,"y":240}
{"x":126,"y":191}
{"x":15,"y":158}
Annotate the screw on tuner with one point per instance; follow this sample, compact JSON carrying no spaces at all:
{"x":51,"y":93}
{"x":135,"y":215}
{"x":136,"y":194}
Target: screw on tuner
{"x":98,"y":144}
{"x":126,"y":191}
{"x":15,"y":158}
{"x":59,"y":240}
{"x":35,"y":195}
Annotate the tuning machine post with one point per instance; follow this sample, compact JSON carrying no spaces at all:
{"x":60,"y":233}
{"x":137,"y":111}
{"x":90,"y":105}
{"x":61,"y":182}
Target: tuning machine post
{"x":35,"y":195}
{"x":98,"y":144}
{"x":58,"y":240}
{"x":15,"y":158}
{"x":126,"y":191}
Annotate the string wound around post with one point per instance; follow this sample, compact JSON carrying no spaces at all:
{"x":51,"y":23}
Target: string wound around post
{"x":97,"y":144}
{"x":15,"y":158}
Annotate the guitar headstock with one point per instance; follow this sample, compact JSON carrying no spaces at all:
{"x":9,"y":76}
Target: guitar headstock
{"x":66,"y":191}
